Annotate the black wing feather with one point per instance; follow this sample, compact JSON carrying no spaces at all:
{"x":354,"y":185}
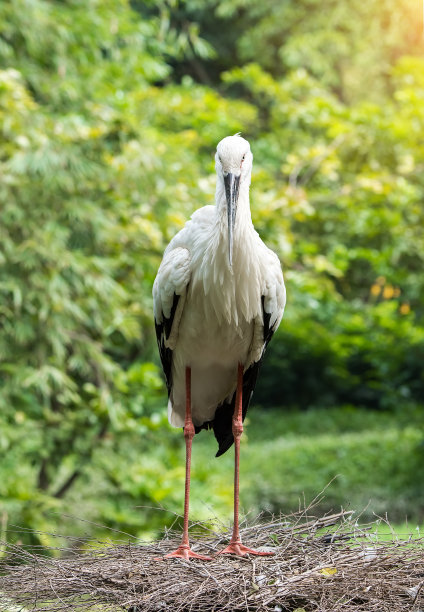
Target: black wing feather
{"x":163,"y":331}
{"x":222,"y":423}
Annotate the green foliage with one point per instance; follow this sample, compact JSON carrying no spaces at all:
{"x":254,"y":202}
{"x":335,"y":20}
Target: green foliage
{"x":92,"y":189}
{"x":109,"y":114}
{"x":349,"y":46}
{"x":349,"y":191}
{"x":367,"y":460}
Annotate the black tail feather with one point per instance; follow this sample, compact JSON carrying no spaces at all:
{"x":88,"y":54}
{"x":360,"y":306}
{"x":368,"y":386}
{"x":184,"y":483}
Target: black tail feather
{"x":222,"y":426}
{"x":223,"y":421}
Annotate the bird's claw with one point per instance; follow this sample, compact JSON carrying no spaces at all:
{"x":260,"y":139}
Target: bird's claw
{"x":239,"y":549}
{"x":184,"y":552}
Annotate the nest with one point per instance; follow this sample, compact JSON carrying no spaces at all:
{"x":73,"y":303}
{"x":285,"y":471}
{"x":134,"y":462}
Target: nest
{"x":327,"y":563}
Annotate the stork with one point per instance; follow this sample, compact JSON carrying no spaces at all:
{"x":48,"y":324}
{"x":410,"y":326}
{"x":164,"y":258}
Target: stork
{"x":218,"y":298}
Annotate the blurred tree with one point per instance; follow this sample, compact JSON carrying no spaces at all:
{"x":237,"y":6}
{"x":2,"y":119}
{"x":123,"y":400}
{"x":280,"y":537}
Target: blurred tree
{"x":349,"y":187}
{"x":91,"y":180}
{"x":349,"y":46}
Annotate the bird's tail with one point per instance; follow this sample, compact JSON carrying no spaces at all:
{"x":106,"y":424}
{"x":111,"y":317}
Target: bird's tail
{"x":222,"y":426}
{"x":223,"y":420}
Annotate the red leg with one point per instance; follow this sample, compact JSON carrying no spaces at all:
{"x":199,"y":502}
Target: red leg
{"x":184,"y":551}
{"x":235,"y":547}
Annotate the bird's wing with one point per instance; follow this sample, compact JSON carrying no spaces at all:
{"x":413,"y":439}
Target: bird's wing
{"x":273,"y":297}
{"x":169,"y":294}
{"x":273,"y":302}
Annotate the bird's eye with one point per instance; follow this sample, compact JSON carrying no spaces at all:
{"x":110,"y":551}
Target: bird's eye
{"x":243,"y":158}
{"x":220,"y":160}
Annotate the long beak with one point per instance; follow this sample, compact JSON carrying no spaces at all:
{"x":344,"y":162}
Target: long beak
{"x":232,"y":184}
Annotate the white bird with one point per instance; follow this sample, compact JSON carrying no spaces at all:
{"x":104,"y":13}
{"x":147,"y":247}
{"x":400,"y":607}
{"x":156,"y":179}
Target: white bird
{"x":218,"y":297}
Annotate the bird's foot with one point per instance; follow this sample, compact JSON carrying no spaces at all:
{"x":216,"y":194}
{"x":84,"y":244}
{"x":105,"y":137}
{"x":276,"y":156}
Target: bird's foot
{"x":239,"y":549}
{"x":184,"y":552}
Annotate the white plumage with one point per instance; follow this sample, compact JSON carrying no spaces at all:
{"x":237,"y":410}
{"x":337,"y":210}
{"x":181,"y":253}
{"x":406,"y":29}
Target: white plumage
{"x":230,"y":298}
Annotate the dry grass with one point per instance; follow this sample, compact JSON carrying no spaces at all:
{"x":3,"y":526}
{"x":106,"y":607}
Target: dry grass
{"x":328,"y":564}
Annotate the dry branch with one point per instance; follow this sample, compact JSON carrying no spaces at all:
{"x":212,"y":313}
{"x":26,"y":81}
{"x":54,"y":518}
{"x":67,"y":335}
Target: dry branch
{"x":327,"y":564}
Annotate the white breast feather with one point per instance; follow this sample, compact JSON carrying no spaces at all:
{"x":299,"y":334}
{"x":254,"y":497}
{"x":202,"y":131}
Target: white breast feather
{"x":225,"y":298}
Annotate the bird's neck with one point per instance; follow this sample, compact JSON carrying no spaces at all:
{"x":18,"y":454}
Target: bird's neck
{"x":232,"y":290}
{"x":243,"y":222}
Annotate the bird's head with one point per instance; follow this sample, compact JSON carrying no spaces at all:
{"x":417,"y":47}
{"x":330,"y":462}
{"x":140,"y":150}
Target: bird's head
{"x":233,"y":163}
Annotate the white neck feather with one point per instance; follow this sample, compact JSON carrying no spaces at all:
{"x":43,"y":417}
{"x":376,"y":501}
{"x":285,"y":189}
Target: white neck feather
{"x":234,"y":292}
{"x":243,"y":216}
